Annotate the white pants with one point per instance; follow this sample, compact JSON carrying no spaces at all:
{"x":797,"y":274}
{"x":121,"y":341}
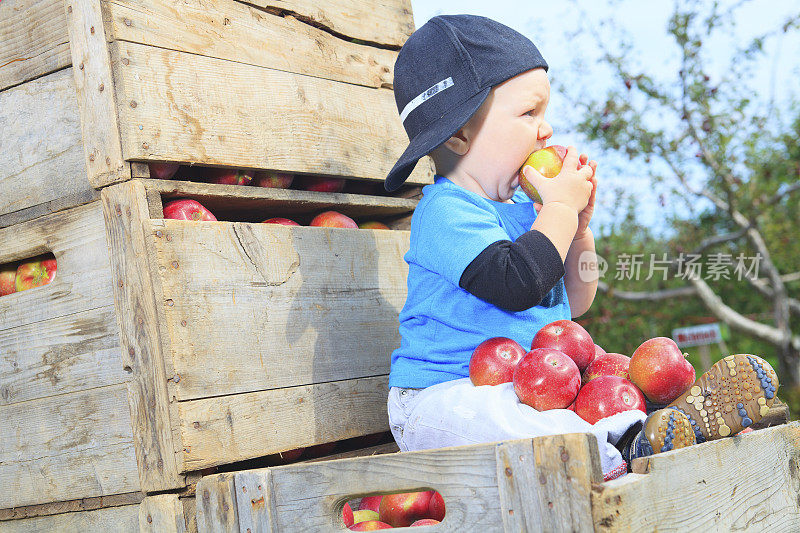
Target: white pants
{"x":456,"y":413}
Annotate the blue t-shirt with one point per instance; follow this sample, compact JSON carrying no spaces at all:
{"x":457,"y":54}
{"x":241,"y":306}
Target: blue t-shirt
{"x":441,"y":323}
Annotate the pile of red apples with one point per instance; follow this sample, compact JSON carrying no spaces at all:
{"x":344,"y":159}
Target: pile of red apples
{"x":424,"y":508}
{"x":35,"y":272}
{"x":565,"y":369}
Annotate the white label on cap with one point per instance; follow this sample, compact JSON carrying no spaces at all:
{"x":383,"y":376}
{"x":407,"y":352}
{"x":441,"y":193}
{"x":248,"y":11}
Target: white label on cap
{"x":415,"y":103}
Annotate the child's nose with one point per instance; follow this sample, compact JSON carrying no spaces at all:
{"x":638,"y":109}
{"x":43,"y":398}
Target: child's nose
{"x":545,"y":131}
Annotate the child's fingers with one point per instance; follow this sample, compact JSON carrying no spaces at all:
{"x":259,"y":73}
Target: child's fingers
{"x":537,"y":206}
{"x":583,"y":159}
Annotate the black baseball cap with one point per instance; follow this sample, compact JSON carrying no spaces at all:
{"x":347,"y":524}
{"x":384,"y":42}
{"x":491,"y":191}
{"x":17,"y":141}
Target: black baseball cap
{"x":443,"y":74}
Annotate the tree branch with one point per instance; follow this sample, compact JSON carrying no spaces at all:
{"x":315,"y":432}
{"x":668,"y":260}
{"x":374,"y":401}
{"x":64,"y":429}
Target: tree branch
{"x":665,"y":294}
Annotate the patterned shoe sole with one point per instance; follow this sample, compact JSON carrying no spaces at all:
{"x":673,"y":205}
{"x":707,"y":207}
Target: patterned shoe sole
{"x":668,"y":429}
{"x":736,"y":392}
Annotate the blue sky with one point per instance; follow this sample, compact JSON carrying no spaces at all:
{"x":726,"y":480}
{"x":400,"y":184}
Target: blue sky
{"x":546,"y":23}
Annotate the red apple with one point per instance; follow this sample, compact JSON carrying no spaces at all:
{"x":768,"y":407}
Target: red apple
{"x":436,"y":509}
{"x":425,"y":522}
{"x":608,"y":364}
{"x":371,"y":525}
{"x":364,"y":515}
{"x":286,"y":457}
{"x":282,"y":221}
{"x":320,"y":184}
{"x":494,"y":360}
{"x":546,"y":379}
{"x":333,"y":219}
{"x":373,"y":225}
{"x":608,"y":395}
{"x":568,"y":337}
{"x":364,"y":187}
{"x":8,"y":277}
{"x":187,"y":210}
{"x":230,"y":176}
{"x":598,"y":351}
{"x":347,"y":515}
{"x":163,"y":171}
{"x":370,"y":502}
{"x":320,"y":450}
{"x":660,"y":370}
{"x":548,"y":161}
{"x":272,"y":180}
{"x":400,"y":510}
{"x":34,"y":273}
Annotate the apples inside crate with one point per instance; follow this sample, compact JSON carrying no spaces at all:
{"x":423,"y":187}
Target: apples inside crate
{"x":103,"y":87}
{"x":551,"y":483}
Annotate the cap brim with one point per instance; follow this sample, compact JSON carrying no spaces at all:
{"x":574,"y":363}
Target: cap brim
{"x":441,"y":130}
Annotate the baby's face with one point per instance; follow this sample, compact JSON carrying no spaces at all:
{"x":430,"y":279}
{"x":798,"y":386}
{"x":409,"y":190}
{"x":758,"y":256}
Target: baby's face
{"x":504,"y":131}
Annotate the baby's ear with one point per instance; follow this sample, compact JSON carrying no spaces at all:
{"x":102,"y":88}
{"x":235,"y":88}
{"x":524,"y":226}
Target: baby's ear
{"x":457,"y":144}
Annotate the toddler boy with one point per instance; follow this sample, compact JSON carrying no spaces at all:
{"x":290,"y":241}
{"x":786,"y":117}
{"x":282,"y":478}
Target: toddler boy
{"x":483,"y":263}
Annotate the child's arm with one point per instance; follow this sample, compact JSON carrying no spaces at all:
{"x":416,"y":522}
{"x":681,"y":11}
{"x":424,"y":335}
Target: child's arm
{"x":580,"y":279}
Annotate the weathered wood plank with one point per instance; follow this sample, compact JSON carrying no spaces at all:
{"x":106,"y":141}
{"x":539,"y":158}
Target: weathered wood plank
{"x":71,"y":506}
{"x":238,"y":32}
{"x":252,"y":307}
{"x":216,"y":504}
{"x":162,"y":514}
{"x":135,"y":296}
{"x":124,"y":519}
{"x":233,"y":114}
{"x":76,"y":352}
{"x":748,"y":482}
{"x":380,"y":21}
{"x":83,"y":282}
{"x":54,"y":448}
{"x":94,"y":86}
{"x":53,"y":206}
{"x":243,"y":426}
{"x":26,"y":54}
{"x":520,"y":501}
{"x":41,"y":151}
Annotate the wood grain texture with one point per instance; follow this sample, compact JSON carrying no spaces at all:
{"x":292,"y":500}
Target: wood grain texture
{"x":238,"y":32}
{"x":243,"y":426}
{"x":743,"y":483}
{"x":216,"y":112}
{"x":124,"y":519}
{"x":56,"y":448}
{"x":162,"y":513}
{"x":41,"y":150}
{"x":253,"y":307}
{"x":26,"y":54}
{"x":94,"y":85}
{"x":216,"y":504}
{"x":135,"y":297}
{"x":71,"y":506}
{"x":517,"y":484}
{"x":387,"y":22}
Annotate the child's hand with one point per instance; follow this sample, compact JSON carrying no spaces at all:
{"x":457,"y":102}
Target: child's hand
{"x":572,"y":186}
{"x":586,"y":215}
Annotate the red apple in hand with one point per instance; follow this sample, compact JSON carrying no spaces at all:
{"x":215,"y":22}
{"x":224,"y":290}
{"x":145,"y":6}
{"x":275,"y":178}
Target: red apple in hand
{"x":373,"y":225}
{"x":8,"y":277}
{"x":370,"y":525}
{"x":230,"y":176}
{"x":609,"y":364}
{"x":163,"y":171}
{"x":333,"y":219}
{"x":608,"y":395}
{"x":401,"y":510}
{"x":494,"y":360}
{"x":187,"y":210}
{"x":660,"y":370}
{"x":282,"y":221}
{"x":35,"y":273}
{"x":272,"y":180}
{"x":568,"y":337}
{"x":548,"y":161}
{"x":546,"y":379}
{"x":319,"y":184}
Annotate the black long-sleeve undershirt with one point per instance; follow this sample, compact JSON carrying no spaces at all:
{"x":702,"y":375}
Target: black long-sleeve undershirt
{"x":514,"y":276}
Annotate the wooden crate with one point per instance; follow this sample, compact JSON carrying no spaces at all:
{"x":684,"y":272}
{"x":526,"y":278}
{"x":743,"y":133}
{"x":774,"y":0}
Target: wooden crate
{"x":748,"y":482}
{"x":164,"y":513}
{"x":104,"y":86}
{"x":164,"y":347}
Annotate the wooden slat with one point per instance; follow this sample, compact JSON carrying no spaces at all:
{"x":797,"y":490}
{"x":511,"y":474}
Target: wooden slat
{"x":71,"y":506}
{"x":238,"y":32}
{"x":243,"y":426}
{"x":216,"y":112}
{"x":747,"y":482}
{"x":76,"y":352}
{"x":56,"y":448}
{"x":123,"y":519}
{"x":387,"y":22}
{"x":252,"y":307}
{"x":94,"y":85}
{"x":135,"y":296}
{"x":41,"y":151}
{"x":162,"y":514}
{"x":26,"y":54}
{"x":216,"y":504}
